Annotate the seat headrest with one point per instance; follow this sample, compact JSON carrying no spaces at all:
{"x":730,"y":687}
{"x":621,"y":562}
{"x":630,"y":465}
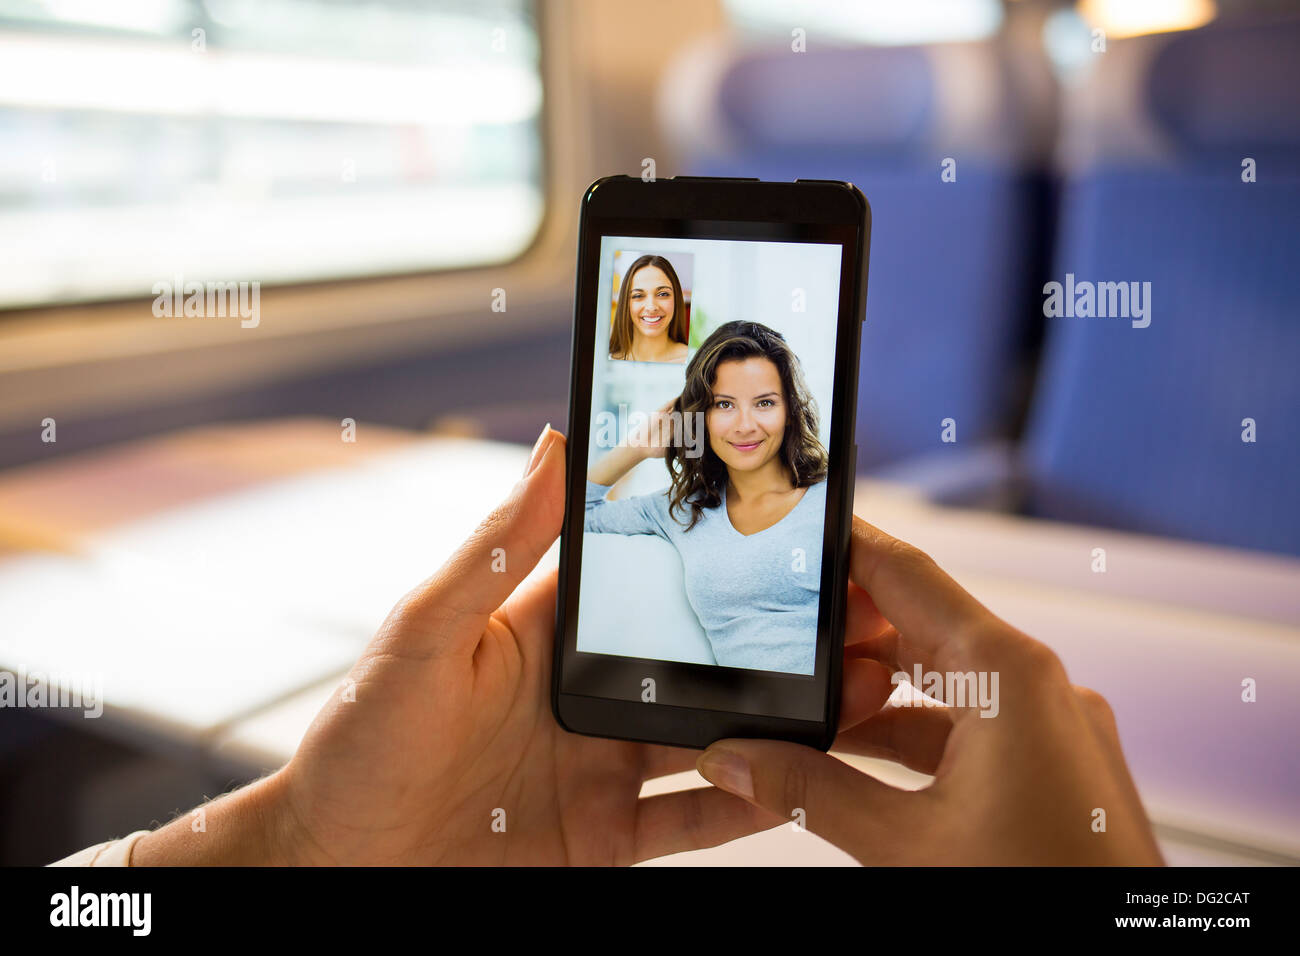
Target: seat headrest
{"x":867,"y":98}
{"x":1229,"y":87}
{"x":1225,"y":90}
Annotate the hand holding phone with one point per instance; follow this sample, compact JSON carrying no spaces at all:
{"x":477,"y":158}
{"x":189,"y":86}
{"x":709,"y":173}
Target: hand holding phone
{"x":438,"y":748}
{"x":1019,"y":789}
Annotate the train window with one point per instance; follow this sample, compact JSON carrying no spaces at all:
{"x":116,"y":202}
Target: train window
{"x":267,"y":140}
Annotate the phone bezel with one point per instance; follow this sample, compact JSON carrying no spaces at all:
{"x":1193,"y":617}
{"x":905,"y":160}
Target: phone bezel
{"x":794,"y":707}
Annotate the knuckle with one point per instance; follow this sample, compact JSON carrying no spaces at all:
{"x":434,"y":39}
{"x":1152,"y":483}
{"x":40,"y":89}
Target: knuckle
{"x":419,"y":610}
{"x":1096,"y":704}
{"x":906,"y":556}
{"x":411,"y":605}
{"x":1041,"y":657}
{"x":985,"y":639}
{"x":495,"y":522}
{"x":1030,"y":655}
{"x":982,"y":636}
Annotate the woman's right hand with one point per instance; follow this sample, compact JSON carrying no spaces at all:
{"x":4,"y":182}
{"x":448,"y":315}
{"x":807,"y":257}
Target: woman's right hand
{"x":650,"y":439}
{"x":1042,"y":780}
{"x":654,"y":438}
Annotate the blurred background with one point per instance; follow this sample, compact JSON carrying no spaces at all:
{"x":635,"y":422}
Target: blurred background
{"x":205,"y":518}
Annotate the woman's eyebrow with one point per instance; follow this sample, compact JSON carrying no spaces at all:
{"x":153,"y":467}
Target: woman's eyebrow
{"x":756,"y":397}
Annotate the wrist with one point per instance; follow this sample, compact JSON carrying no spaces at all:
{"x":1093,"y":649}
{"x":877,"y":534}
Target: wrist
{"x":251,"y":826}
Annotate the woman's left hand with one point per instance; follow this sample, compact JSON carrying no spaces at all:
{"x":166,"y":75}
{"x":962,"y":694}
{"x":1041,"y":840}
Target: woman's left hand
{"x":441,"y":748}
{"x":449,"y":752}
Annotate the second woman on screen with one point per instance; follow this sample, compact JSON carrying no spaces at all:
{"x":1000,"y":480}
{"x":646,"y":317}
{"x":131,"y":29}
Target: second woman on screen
{"x":650,"y":320}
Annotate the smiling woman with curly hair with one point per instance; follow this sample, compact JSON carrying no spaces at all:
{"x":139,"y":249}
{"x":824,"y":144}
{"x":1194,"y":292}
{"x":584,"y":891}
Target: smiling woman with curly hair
{"x":746,"y":514}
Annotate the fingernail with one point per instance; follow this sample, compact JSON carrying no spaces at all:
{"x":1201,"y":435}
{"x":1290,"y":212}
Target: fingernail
{"x":535,"y":457}
{"x":727,"y":771}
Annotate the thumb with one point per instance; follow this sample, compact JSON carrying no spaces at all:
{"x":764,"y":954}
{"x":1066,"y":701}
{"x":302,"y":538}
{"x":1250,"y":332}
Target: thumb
{"x":857,"y":813}
{"x":487,"y":568}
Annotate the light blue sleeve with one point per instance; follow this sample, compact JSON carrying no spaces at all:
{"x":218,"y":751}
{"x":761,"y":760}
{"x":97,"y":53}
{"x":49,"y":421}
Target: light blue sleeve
{"x":640,"y":514}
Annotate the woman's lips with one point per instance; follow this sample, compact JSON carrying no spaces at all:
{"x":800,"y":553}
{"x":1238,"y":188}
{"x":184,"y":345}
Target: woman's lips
{"x":652,"y":320}
{"x":750,"y":447}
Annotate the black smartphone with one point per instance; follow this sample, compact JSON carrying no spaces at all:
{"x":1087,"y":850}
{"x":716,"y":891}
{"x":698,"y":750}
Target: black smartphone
{"x":712,"y":396}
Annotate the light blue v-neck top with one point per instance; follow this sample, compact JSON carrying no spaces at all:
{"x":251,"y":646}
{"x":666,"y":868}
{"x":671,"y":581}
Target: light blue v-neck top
{"x":756,"y":595}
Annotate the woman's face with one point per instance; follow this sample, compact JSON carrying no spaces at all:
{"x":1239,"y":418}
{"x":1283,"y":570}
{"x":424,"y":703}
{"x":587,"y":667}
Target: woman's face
{"x":650,"y":301}
{"x":747,"y":419}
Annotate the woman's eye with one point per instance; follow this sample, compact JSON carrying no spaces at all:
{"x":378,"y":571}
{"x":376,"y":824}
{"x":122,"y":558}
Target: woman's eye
{"x":765,"y":401}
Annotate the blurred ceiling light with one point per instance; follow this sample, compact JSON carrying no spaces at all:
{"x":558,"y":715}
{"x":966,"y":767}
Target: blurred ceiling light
{"x":167,"y":79}
{"x":1127,"y":18}
{"x":1066,"y":40}
{"x":839,"y":21}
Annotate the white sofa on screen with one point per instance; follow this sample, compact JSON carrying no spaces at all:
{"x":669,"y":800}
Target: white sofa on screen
{"x":633,"y":601}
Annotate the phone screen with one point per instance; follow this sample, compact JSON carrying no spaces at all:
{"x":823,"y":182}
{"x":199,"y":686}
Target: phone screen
{"x":707,"y":459}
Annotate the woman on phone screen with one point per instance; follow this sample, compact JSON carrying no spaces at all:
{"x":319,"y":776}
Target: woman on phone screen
{"x":650,"y":322}
{"x":745,"y":508}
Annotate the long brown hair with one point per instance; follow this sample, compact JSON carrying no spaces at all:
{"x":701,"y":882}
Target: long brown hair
{"x":620,"y":334}
{"x":700,"y":481}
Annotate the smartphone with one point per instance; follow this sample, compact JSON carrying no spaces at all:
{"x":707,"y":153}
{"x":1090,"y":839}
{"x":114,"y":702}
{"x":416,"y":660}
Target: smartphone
{"x":712,"y":396}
